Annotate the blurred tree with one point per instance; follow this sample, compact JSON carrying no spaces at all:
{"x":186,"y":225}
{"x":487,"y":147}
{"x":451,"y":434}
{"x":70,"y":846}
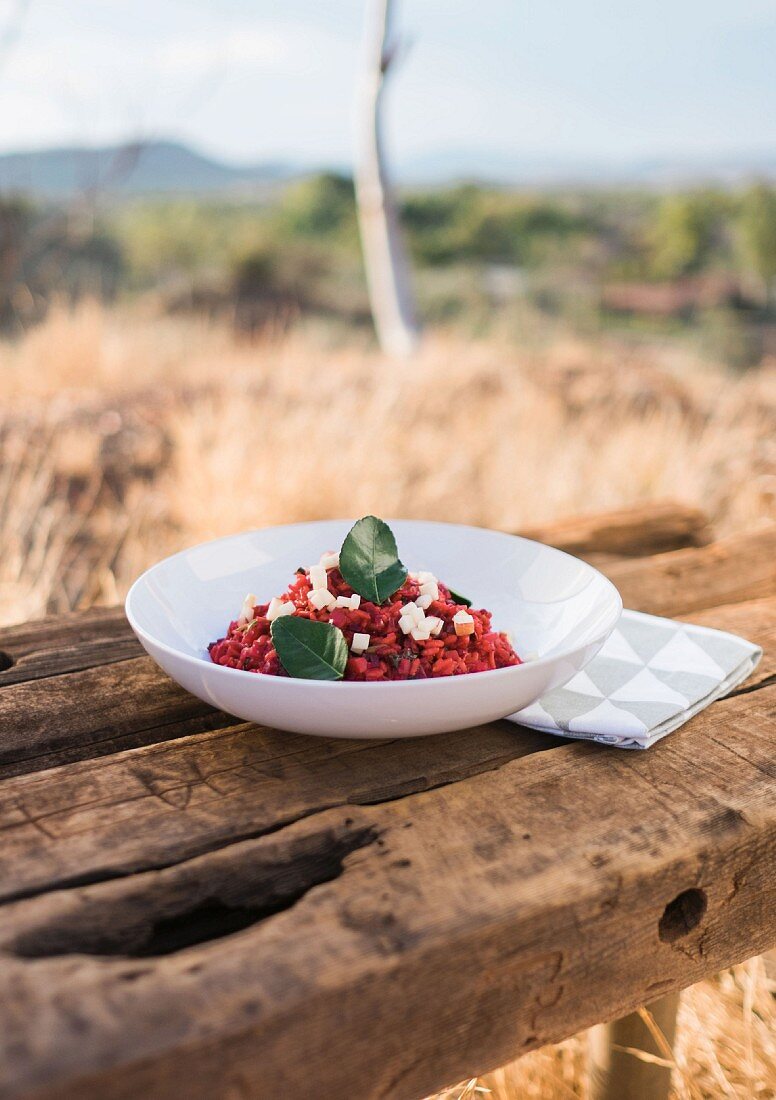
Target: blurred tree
{"x":16,"y":217}
{"x":475,"y":223}
{"x":437,"y":223}
{"x":757,"y":220}
{"x":681,"y":238}
{"x":44,"y":255}
{"x":519,"y":230}
{"x":177,"y":237}
{"x":321,"y":205}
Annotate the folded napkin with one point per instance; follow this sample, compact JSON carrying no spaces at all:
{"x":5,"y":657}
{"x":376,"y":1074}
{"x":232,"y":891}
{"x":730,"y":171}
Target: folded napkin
{"x":650,"y":677}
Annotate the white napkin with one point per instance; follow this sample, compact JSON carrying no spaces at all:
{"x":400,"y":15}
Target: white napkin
{"x":651,"y":676}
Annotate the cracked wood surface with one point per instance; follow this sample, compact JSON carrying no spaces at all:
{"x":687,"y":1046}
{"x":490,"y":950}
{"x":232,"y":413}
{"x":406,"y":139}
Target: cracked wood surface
{"x":264,"y":914}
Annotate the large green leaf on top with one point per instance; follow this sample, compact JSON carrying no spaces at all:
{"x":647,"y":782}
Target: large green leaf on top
{"x":369,"y":560}
{"x":309,"y":650}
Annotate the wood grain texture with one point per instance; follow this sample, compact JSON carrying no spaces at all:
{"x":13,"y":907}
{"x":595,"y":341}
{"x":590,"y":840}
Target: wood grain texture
{"x":157,"y":805}
{"x":383,"y":950}
{"x":630,"y":532}
{"x":741,"y":567}
{"x":94,"y":712}
{"x":66,"y":643}
{"x":161,"y":803}
{"x":259,"y":914}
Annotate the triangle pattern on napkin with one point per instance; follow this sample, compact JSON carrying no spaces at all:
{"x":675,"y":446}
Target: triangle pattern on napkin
{"x":682,"y":652}
{"x":650,"y":677}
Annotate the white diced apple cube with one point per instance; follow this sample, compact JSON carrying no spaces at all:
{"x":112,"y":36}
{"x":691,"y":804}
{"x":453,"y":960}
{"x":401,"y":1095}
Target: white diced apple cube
{"x":274,"y":608}
{"x":406,"y":624}
{"x":434,"y":624}
{"x":420,"y":634}
{"x":330,"y":561}
{"x":425,"y":601}
{"x":320,"y":598}
{"x":318,"y":577}
{"x":246,"y":611}
{"x":414,"y":611}
{"x":360,"y":642}
{"x":355,"y":602}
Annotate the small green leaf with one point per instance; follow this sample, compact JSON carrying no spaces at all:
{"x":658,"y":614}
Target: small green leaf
{"x":456,"y":597}
{"x":369,"y":561}
{"x":309,"y":650}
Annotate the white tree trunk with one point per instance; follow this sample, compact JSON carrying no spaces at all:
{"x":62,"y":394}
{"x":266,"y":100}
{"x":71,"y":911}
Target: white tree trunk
{"x":385,"y":257}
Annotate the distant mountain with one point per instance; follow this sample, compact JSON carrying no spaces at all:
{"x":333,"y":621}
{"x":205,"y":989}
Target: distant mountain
{"x":169,"y":167}
{"x":135,"y":168}
{"x":533,"y":170}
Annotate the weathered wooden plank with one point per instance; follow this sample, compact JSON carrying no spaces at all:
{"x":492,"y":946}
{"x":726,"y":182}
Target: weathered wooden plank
{"x":387,"y":949}
{"x":157,"y":805}
{"x":520,"y":897}
{"x":629,"y":532}
{"x":156,"y":710}
{"x":732,"y":570}
{"x":163,"y":803}
{"x":95,"y":711}
{"x":65,"y":643}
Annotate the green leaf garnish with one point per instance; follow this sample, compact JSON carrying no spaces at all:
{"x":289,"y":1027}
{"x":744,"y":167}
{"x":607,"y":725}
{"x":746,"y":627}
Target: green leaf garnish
{"x":456,"y":597}
{"x":309,"y":650}
{"x":369,"y":560}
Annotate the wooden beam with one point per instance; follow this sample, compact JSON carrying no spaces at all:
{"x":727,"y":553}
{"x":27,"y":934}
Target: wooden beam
{"x":462,"y":899}
{"x":381,"y":950}
{"x":96,"y":711}
{"x":65,"y":643}
{"x":682,"y":582}
{"x":56,"y":664}
{"x":630,"y":532}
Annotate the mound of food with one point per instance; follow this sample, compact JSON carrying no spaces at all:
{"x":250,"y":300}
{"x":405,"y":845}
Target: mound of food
{"x":359,"y":615}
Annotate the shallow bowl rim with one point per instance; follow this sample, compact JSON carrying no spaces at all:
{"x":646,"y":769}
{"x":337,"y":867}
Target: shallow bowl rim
{"x":394,"y":685}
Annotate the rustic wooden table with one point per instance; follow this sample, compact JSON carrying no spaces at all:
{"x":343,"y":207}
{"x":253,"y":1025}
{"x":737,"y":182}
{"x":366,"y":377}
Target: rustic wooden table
{"x":194,"y":906}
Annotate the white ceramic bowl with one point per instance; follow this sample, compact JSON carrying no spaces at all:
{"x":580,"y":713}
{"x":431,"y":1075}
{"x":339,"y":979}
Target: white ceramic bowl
{"x":558,"y":610}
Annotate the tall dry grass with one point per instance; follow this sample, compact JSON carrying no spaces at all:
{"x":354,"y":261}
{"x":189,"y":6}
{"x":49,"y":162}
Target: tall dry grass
{"x":226,"y":435}
{"x":124,"y":436}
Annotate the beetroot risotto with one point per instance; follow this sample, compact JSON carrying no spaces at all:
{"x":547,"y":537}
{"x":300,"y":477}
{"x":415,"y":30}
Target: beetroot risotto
{"x":359,"y":615}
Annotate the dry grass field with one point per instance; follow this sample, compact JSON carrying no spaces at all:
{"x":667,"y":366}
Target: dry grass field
{"x":124,"y":436}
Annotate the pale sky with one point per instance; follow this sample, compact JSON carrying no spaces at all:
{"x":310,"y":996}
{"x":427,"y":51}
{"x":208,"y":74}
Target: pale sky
{"x":255,"y":80}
